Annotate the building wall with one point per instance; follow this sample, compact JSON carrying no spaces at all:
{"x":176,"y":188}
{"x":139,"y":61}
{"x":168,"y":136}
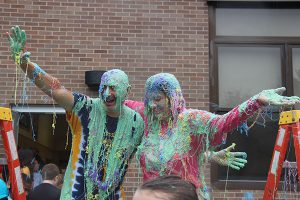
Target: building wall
{"x":141,"y":37}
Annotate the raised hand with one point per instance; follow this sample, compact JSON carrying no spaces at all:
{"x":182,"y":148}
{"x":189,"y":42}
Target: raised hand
{"x":274,"y":97}
{"x":17,"y":41}
{"x":225,"y":157}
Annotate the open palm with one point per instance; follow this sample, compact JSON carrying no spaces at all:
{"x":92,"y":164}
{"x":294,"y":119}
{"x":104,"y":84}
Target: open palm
{"x":17,"y":41}
{"x":225,"y":157}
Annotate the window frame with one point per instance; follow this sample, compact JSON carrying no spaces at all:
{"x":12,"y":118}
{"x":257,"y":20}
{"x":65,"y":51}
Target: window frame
{"x":286,"y":45}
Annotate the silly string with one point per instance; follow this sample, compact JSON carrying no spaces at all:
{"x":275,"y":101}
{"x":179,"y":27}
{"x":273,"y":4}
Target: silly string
{"x":176,"y":145}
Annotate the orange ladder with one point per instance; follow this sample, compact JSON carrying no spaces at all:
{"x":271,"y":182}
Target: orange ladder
{"x":288,"y":123}
{"x":13,"y":163}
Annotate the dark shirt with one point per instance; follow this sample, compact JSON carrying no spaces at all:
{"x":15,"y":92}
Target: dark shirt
{"x":44,"y":191}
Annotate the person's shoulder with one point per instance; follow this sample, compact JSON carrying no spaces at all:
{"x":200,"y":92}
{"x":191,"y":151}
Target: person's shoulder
{"x":84,"y":101}
{"x":32,"y":194}
{"x":42,"y":189}
{"x":83,"y":97}
{"x":36,"y":189}
{"x":129,"y":111}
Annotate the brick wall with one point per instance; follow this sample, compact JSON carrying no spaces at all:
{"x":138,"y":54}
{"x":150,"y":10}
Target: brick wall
{"x":141,"y":37}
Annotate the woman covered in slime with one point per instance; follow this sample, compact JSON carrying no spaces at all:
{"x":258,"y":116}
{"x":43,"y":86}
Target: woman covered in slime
{"x":176,"y":138}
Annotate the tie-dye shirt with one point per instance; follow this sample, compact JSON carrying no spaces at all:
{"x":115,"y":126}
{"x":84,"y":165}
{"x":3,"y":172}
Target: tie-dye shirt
{"x":87,"y":121}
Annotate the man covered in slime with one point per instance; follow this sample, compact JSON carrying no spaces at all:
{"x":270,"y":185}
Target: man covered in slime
{"x":105,"y":132}
{"x":177,"y":138}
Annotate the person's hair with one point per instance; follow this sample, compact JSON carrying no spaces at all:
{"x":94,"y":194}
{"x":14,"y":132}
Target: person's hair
{"x":26,"y":157}
{"x":173,"y":186}
{"x":169,"y":85}
{"x":27,"y":181}
{"x":40,"y":161}
{"x":50,"y":171}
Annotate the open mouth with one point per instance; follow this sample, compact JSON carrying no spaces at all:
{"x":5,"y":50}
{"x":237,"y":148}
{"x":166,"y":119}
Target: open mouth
{"x":156,"y":111}
{"x":110,"y":100}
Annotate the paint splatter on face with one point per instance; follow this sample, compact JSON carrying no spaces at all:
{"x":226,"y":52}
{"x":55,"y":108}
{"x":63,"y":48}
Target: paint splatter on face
{"x":113,"y":89}
{"x":164,"y":86}
{"x":109,"y":96}
{"x":159,"y":105}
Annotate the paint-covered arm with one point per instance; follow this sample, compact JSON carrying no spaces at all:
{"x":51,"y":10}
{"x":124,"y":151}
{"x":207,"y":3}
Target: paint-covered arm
{"x":47,"y":83}
{"x":221,"y":124}
{"x":138,"y":106}
{"x":215,"y":126}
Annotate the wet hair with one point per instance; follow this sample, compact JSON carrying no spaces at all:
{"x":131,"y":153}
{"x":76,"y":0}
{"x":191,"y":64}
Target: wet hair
{"x":116,"y":78}
{"x":50,"y":171}
{"x":174,"y":187}
{"x":169,"y":85}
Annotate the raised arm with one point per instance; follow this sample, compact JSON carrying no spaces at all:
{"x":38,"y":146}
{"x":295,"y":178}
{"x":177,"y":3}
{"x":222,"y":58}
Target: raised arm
{"x":216,"y":126}
{"x":221,"y":124}
{"x":47,"y":83}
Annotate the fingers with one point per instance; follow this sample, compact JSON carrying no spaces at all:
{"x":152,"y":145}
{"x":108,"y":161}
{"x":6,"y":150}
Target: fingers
{"x":279,"y":90}
{"x":293,"y":99}
{"x":24,"y":38}
{"x":238,"y":164}
{"x":285,"y":101}
{"x":239,"y":154}
{"x":12,"y":37}
{"x":234,"y":167}
{"x":240,"y":160}
{"x":18,"y":34}
{"x":231,"y":147}
{"x":10,"y":40}
{"x":13,"y":33}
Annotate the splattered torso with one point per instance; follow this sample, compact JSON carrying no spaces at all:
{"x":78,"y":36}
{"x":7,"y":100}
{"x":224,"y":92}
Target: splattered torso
{"x":180,"y":149}
{"x":177,"y":150}
{"x":163,"y":148}
{"x":99,"y":158}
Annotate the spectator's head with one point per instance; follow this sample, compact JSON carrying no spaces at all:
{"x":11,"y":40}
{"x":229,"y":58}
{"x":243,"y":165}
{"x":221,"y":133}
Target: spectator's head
{"x":3,"y":190}
{"x":50,"y":173}
{"x":26,"y":157}
{"x":166,"y":188}
{"x":37,"y":164}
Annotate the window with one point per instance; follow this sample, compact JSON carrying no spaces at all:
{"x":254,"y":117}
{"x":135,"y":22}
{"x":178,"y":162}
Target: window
{"x":258,"y":65}
{"x":253,"y":46}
